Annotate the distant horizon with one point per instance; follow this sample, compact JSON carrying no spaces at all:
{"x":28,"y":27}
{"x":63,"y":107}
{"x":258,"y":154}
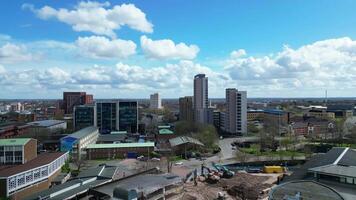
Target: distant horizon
{"x":213,"y":98}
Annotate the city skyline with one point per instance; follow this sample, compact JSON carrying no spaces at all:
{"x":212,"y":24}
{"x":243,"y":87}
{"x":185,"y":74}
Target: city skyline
{"x":128,"y":49}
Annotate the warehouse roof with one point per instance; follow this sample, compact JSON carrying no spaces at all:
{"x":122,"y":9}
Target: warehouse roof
{"x":111,"y":138}
{"x":14,"y":141}
{"x":308,"y":190}
{"x":146,"y":184}
{"x":338,"y":170}
{"x":83,"y":182}
{"x":46,"y":123}
{"x":120,"y":145}
{"x":183,"y":140}
{"x":83,"y":132}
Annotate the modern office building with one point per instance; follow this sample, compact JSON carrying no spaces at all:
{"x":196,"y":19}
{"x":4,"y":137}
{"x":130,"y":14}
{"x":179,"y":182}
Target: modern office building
{"x":78,"y":141}
{"x":117,"y":116}
{"x":107,"y":116}
{"x":84,"y":116}
{"x":236,"y":112}
{"x":200,"y":101}
{"x":128,"y":116}
{"x":186,"y":112}
{"x":155,"y":101}
{"x":71,"y":99}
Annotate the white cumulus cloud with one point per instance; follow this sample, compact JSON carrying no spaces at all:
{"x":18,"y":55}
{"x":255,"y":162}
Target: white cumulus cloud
{"x":167,"y":49}
{"x":95,"y":17}
{"x":102,"y":47}
{"x":238,"y":53}
{"x":13,"y":53}
{"x":327,"y":64}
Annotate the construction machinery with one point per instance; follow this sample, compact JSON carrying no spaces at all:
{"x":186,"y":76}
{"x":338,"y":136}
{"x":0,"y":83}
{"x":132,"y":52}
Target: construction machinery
{"x":212,"y":176}
{"x":273,"y":169}
{"x":226,"y":173}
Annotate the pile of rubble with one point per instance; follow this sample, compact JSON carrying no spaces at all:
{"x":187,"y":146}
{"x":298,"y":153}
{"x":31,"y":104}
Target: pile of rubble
{"x":241,"y":186}
{"x":246,"y":186}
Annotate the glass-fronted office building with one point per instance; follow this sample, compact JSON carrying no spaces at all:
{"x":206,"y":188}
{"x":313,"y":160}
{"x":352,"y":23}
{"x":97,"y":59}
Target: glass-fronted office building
{"x":128,"y":116}
{"x":107,"y":116}
{"x":84,"y":116}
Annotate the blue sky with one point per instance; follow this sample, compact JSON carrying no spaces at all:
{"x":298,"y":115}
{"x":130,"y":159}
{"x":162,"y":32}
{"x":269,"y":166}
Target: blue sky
{"x":282,"y":48}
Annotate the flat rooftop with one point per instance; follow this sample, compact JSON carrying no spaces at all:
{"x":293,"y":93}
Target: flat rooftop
{"x":14,"y":141}
{"x":46,"y":123}
{"x":83,"y":132}
{"x":120,"y":145}
{"x":308,"y":190}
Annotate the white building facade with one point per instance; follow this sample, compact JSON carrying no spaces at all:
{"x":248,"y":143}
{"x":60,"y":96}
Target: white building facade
{"x":155,"y":101}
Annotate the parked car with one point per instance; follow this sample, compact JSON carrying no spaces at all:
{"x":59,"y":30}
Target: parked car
{"x":142,"y":158}
{"x":178,"y":163}
{"x":156,"y":159}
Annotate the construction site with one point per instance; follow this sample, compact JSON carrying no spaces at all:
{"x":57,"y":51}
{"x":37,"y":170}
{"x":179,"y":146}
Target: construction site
{"x":221,"y":183}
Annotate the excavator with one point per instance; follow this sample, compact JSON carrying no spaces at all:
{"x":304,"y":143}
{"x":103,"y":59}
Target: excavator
{"x":212,"y":176}
{"x":226,"y":173}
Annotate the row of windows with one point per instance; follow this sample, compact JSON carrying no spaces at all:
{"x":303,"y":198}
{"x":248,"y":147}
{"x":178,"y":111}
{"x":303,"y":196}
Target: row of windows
{"x":21,"y":180}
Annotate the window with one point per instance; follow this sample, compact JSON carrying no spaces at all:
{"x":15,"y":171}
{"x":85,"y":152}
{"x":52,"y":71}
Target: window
{"x":21,"y":180}
{"x":36,"y":174}
{"x":29,"y":177}
{"x":12,"y":183}
{"x":44,"y":172}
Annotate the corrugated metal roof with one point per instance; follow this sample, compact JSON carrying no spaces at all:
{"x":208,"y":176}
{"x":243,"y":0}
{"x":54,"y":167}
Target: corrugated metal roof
{"x":184,"y":139}
{"x":120,"y":145}
{"x":165,"y":131}
{"x":14,"y":141}
{"x":83,"y":132}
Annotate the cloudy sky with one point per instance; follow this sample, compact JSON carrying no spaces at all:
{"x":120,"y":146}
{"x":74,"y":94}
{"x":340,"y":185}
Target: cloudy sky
{"x":129,"y":49}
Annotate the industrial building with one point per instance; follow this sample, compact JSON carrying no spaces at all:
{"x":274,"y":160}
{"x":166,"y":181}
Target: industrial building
{"x":49,"y":126}
{"x":76,"y":142}
{"x":118,"y":150}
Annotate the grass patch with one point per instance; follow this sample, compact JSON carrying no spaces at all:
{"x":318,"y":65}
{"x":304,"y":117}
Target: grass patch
{"x":255,"y":150}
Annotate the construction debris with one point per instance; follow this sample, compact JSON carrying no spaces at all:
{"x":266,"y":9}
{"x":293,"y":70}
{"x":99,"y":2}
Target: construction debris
{"x":242,"y":186}
{"x":245,"y":186}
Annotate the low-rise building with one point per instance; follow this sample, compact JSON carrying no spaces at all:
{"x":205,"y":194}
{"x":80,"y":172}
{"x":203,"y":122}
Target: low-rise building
{"x":181,"y":145}
{"x":19,"y":181}
{"x":49,"y":126}
{"x":13,"y":129}
{"x":78,"y":141}
{"x":17,"y":150}
{"x":304,"y":189}
{"x":150,"y":187}
{"x":321,"y":114}
{"x":80,"y":185}
{"x":119,"y":150}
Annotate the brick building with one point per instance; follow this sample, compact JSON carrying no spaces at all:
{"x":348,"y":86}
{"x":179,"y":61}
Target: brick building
{"x":120,"y":150}
{"x":13,"y":129}
{"x":22,"y":171}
